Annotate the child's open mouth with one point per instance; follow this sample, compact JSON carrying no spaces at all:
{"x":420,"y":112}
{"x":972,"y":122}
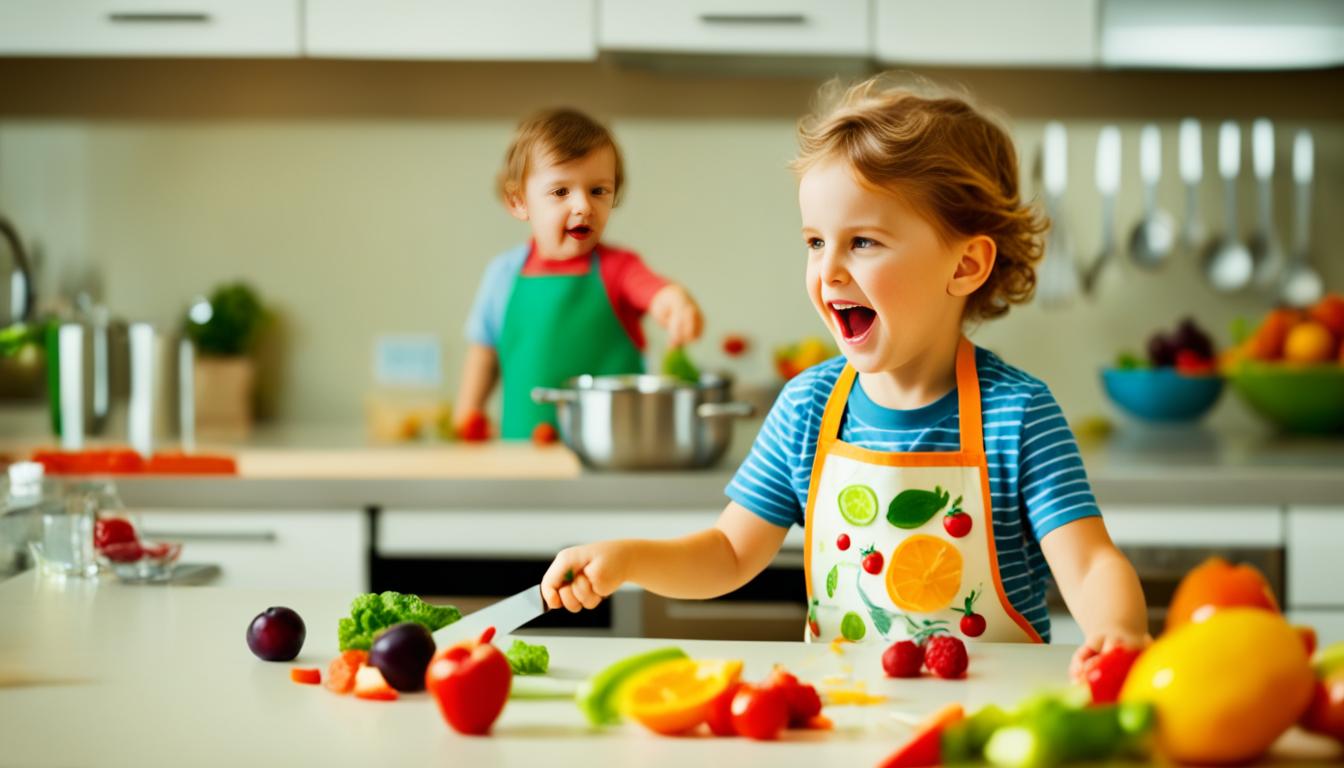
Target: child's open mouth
{"x":580,"y":232}
{"x":855,"y":320}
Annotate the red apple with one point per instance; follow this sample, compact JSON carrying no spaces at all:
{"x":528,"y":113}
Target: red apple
{"x":1326,"y":713}
{"x":470,"y":681}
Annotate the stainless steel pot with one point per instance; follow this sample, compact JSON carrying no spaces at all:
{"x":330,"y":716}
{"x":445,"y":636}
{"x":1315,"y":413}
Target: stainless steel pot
{"x":643,"y":422}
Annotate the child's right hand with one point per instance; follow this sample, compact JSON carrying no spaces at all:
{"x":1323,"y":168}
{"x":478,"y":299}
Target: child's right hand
{"x":580,"y":577}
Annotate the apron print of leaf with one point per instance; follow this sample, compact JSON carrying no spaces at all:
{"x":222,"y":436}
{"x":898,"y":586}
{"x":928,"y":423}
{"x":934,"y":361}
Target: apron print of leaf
{"x":881,"y":616}
{"x":915,"y":507}
{"x":832,"y":579}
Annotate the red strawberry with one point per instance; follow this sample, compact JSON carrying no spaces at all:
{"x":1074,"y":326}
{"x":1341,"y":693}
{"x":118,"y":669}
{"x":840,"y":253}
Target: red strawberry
{"x":903,"y":659}
{"x":957,"y":523}
{"x":842,"y":543}
{"x":872,"y":560}
{"x":972,"y":623}
{"x":124,"y":552}
{"x":734,"y":345}
{"x":112,"y":530}
{"x":1106,"y":673}
{"x":804,"y":703}
{"x":945,"y":656}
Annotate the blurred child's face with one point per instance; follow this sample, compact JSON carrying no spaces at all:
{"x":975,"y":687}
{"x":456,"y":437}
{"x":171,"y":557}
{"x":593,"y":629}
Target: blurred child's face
{"x":567,"y":204}
{"x":877,"y":271}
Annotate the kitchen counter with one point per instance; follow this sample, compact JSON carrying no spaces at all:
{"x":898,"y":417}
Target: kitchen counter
{"x":109,"y":675}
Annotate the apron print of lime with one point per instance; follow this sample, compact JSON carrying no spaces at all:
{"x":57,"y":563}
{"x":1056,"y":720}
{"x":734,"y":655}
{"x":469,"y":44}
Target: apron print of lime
{"x":852,"y":627}
{"x":858,"y":504}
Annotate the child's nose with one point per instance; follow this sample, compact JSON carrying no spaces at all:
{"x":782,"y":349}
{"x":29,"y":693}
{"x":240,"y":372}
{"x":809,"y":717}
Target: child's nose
{"x":581,"y":202}
{"x":833,"y":268}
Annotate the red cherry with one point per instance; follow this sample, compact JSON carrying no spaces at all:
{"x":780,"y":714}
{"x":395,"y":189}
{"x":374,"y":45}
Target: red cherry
{"x":872,"y":560}
{"x":842,"y":543}
{"x":957,"y":524}
{"x":734,"y":345}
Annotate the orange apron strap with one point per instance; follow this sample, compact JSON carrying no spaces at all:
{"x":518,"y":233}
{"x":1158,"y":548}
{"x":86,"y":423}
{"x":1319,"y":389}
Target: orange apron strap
{"x":968,"y":399}
{"x":835,"y":405}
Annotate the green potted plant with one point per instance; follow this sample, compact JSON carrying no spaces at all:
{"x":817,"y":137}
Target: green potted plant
{"x":224,"y":330}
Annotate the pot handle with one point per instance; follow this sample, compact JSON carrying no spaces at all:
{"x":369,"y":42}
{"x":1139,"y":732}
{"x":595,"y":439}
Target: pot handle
{"x":549,"y":395}
{"x":725,"y":410}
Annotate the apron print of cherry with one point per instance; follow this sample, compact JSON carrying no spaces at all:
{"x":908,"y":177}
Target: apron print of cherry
{"x":972,"y":623}
{"x":842,"y":543}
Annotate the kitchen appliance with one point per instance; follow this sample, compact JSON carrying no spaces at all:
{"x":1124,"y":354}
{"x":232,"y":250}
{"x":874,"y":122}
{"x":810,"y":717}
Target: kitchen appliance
{"x":505,"y":616}
{"x":644,"y":421}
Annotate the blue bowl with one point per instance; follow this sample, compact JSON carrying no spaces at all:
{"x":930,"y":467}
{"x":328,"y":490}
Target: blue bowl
{"x":1161,"y":395}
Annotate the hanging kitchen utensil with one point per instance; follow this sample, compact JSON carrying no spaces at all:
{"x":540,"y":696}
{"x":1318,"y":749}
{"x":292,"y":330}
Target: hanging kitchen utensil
{"x":1154,"y":236}
{"x":1266,"y":249}
{"x":1227,"y":261}
{"x":1192,"y":172}
{"x":1301,"y":284}
{"x":16,"y":278}
{"x":1058,"y":282}
{"x":1108,"y":183}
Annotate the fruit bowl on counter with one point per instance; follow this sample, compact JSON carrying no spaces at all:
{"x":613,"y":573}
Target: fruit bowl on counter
{"x":1177,"y":382}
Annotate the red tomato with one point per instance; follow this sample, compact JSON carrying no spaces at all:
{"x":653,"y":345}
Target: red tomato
{"x":112,"y":530}
{"x":760,"y":713}
{"x":544,"y":434}
{"x":872,"y":560}
{"x":1106,"y":674}
{"x":1326,"y":713}
{"x":475,"y":429}
{"x":720,"y":717}
{"x":470,"y":681}
{"x":957,"y":525}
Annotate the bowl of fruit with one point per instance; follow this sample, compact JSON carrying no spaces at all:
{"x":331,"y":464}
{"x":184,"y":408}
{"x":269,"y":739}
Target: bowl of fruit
{"x":121,"y":550}
{"x":1177,"y":382}
{"x":1290,"y":370}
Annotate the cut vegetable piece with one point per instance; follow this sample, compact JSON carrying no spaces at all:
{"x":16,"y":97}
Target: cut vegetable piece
{"x":370,"y":684}
{"x":675,"y":696}
{"x":925,"y":747}
{"x":597,"y":696}
{"x":341,"y":673}
{"x":305,"y":676}
{"x":858,"y":504}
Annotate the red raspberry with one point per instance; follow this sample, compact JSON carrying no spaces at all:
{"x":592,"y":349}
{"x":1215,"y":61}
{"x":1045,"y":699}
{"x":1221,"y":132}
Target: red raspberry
{"x":903,"y":659}
{"x":945,"y":656}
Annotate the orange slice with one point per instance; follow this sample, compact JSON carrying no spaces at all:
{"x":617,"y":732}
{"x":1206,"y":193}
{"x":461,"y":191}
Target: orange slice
{"x":674,"y":697}
{"x":924,"y":575}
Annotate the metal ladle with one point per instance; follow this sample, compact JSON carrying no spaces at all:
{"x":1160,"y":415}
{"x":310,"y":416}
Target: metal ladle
{"x":1154,"y":236}
{"x":1266,"y":249}
{"x":1300,"y":283}
{"x":1059,"y":274}
{"x":1227,"y":261}
{"x":1192,"y":172}
{"x":1108,"y":184}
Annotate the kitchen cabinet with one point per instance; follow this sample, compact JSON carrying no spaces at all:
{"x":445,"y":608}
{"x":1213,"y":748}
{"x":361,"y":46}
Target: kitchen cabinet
{"x":771,"y":27}
{"x":319,"y":549}
{"x":518,"y":30}
{"x":1315,"y":570}
{"x":252,"y":28}
{"x":1028,"y":33}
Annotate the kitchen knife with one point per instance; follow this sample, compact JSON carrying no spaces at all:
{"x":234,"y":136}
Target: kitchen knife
{"x":505,"y":616}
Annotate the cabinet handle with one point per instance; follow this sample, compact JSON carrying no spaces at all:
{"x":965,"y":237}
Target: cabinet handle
{"x":215,"y":537}
{"x":775,"y":19}
{"x":158,"y":17}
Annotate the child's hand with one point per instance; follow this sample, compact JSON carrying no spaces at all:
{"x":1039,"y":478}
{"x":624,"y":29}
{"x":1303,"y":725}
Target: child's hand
{"x":674,"y":309}
{"x":1100,"y":643}
{"x":581,"y":576}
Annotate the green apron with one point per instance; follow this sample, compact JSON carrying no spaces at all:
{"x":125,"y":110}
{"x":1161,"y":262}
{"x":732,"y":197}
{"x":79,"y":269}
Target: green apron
{"x":557,"y":327}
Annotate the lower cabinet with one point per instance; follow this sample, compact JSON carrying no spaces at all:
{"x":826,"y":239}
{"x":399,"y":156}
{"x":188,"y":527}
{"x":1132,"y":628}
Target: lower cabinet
{"x":271,"y":549}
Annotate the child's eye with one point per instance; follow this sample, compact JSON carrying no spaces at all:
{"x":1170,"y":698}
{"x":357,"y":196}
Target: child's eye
{"x":560,"y":192}
{"x":600,"y":191}
{"x":815,"y":243}
{"x":863,"y":242}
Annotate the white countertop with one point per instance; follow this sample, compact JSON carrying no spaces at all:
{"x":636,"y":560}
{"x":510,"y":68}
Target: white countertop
{"x":148,"y":676}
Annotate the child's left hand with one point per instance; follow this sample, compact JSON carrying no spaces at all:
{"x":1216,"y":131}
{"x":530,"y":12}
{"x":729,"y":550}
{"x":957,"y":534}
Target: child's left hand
{"x":674,"y":309}
{"x":1097,"y":644}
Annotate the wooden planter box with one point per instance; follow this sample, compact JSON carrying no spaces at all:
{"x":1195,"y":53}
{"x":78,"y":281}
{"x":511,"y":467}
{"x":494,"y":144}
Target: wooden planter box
{"x":223,"y":389}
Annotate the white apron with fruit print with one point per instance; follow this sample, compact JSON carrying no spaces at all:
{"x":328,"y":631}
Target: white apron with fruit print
{"x":901,"y":544}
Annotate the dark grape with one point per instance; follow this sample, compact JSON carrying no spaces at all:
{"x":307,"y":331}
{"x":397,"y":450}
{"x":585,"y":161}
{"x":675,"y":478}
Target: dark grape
{"x":402,"y":653}
{"x":276,"y":634}
{"x":1161,"y":351}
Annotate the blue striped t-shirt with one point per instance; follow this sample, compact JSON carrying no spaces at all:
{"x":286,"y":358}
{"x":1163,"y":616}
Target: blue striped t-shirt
{"x":1036,"y":477}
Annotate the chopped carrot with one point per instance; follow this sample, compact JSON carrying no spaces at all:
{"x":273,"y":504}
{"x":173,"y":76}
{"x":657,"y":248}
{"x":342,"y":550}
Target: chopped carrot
{"x":341,"y":673}
{"x":370,"y":684}
{"x":820,"y":723}
{"x":305,"y":676}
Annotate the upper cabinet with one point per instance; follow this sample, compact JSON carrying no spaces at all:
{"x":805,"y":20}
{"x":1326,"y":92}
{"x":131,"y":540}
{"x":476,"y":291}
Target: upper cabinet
{"x":254,"y":28}
{"x":764,"y":27}
{"x":1023,"y":33}
{"x":451,"y":29}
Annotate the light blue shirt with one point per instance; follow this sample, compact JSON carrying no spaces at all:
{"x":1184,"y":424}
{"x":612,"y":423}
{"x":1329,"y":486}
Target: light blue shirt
{"x":1036,"y":477}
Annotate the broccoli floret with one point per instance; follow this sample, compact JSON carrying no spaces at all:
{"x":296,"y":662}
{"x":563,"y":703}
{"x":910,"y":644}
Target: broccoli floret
{"x":527,"y":659}
{"x":372,"y":613}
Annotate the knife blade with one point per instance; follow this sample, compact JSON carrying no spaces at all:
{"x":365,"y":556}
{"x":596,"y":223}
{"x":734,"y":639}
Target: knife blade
{"x":505,"y":616}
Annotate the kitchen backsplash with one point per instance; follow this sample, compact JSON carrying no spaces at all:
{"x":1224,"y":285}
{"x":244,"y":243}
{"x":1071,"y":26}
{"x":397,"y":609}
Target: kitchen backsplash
{"x":364,"y":205}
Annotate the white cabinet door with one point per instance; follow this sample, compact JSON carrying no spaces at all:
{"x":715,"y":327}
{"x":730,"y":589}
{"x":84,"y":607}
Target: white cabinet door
{"x":271,"y":550}
{"x":1041,"y":33}
{"x":451,"y":29}
{"x":149,"y":27}
{"x":1315,"y":567}
{"x":1195,"y":527}
{"x":780,"y":27}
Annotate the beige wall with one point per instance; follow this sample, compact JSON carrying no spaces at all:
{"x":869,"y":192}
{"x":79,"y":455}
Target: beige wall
{"x":357,"y":196}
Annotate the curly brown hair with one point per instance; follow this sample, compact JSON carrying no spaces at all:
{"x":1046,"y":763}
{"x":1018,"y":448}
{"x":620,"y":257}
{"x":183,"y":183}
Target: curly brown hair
{"x":951,"y":161}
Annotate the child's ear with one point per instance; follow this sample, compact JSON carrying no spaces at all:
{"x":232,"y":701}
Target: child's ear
{"x":514,"y":202}
{"x":973,"y":266}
